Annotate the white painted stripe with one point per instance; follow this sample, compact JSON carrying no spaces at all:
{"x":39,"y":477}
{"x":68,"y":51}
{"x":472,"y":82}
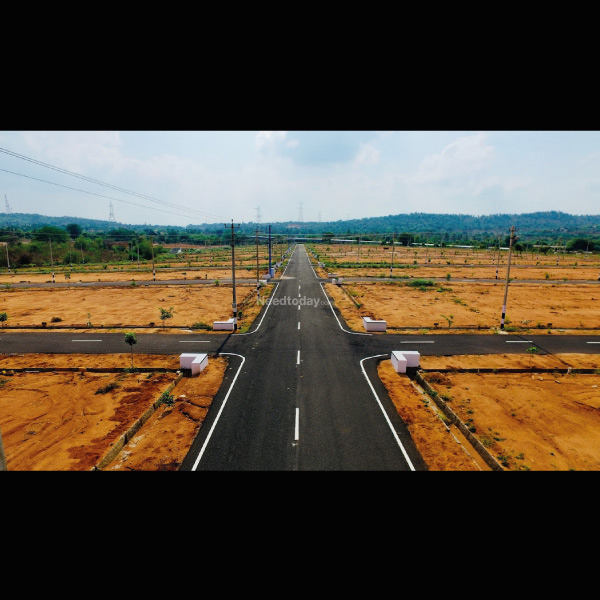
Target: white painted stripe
{"x":420,"y":342}
{"x":592,"y":342}
{"x":194,"y":341}
{"x":297,"y":428}
{"x":220,"y":410}
{"x":519,"y":342}
{"x":264,"y":315}
{"x":298,"y":307}
{"x":336,"y":317}
{"x":383,"y":411}
{"x":298,"y":358}
{"x":298,"y":324}
{"x":86,"y":340}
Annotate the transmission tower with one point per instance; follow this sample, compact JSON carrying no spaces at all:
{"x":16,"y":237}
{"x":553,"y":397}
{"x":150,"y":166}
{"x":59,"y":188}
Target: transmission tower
{"x":7,"y":205}
{"x":111,"y":216}
{"x":258,"y":216}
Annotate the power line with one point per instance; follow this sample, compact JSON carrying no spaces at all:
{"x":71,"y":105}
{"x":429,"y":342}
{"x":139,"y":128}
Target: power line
{"x":100,"y":195}
{"x":114,"y":187}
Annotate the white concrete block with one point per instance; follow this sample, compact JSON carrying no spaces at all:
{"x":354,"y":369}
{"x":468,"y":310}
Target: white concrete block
{"x":399,"y":362}
{"x":223,"y":325}
{"x":199,"y":363}
{"x":374,"y":324}
{"x":185,"y":360}
{"x":195,"y":362}
{"x":405,"y":358}
{"x":412,"y":357}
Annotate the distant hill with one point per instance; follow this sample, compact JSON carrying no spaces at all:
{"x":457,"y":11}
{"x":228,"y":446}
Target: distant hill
{"x":539,"y":224}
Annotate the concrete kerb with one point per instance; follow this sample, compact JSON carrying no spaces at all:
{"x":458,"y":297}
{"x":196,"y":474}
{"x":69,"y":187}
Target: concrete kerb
{"x":453,"y":418}
{"x":125,"y":437}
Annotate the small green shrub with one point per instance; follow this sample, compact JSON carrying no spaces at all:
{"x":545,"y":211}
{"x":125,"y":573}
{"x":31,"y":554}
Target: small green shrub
{"x":167,"y":399}
{"x":107,"y":388}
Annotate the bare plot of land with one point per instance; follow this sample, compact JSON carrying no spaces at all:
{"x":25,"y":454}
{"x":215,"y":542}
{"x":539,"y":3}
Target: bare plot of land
{"x":537,"y":420}
{"x":113,"y":307}
{"x":479,"y":305}
{"x":68,"y":421}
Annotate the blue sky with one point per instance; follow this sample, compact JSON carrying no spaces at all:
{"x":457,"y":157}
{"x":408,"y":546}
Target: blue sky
{"x":193,"y":177}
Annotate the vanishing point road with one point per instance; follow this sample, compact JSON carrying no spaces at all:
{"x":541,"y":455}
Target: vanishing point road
{"x":301,"y":392}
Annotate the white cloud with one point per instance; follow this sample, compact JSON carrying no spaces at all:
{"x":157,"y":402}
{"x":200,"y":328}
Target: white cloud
{"x":367,"y":155}
{"x":75,"y":150}
{"x":462,"y":157}
{"x":268,"y":141}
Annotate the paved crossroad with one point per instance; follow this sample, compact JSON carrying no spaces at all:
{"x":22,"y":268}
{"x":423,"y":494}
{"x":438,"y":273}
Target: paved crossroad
{"x":301,"y":392}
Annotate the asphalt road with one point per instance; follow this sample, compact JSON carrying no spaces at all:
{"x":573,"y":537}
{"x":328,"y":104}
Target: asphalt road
{"x":301,"y":392}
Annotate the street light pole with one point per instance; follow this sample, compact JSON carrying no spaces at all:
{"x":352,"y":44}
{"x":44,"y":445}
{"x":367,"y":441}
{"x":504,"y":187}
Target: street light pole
{"x":257,"y":268}
{"x":234,"y":303}
{"x":498,"y":260}
{"x":152,"y":246}
{"x":51,"y":261}
{"x":392,"y":265}
{"x":512,"y":238}
{"x":270,"y":268}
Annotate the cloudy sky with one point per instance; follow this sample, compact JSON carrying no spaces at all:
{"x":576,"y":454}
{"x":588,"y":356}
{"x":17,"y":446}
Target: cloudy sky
{"x":193,"y":177}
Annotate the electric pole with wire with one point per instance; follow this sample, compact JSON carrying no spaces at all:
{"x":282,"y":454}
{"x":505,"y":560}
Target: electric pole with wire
{"x":510,"y":246}
{"x":234,"y":303}
{"x":257,"y":269}
{"x":392,"y":263}
{"x":152,"y":247}
{"x":51,"y":261}
{"x":270,"y":268}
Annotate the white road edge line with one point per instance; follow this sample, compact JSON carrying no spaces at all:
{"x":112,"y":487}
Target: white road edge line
{"x":263,"y":317}
{"x":220,"y":410}
{"x":383,"y":410}
{"x":310,"y":264}
{"x":297,"y":427}
{"x":86,"y":340}
{"x":420,"y":342}
{"x":194,"y":341}
{"x":336,"y":317}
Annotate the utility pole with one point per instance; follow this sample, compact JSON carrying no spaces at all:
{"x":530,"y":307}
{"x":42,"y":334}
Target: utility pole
{"x":271,"y":268}
{"x":152,"y":246}
{"x":51,"y":261}
{"x":7,"y":259}
{"x":234,"y":303}
{"x":498,"y":261}
{"x":392,"y":265}
{"x":257,"y":275}
{"x":512,"y":239}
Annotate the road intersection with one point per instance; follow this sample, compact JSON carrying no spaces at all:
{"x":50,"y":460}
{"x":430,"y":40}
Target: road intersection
{"x":301,"y":392}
